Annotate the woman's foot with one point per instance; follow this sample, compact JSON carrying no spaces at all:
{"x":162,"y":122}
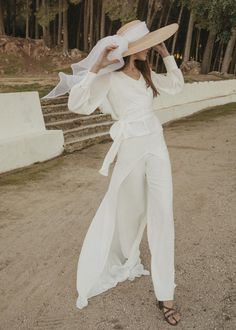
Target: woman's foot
{"x":171,"y":315}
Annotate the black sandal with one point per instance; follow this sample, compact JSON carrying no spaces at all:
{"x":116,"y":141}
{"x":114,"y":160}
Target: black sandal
{"x":162,"y":306}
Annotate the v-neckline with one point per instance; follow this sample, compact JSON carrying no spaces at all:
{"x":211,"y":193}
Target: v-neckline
{"x":131,"y":77}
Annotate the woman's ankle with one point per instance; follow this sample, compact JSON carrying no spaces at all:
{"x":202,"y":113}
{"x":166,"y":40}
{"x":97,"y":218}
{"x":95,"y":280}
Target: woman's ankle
{"x":168,"y":303}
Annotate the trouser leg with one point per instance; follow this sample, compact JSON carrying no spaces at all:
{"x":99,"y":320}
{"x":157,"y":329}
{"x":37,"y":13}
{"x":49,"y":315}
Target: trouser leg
{"x":131,"y":206}
{"x":160,"y":225}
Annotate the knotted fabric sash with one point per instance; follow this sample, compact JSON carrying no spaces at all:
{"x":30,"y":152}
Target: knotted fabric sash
{"x":122,"y":129}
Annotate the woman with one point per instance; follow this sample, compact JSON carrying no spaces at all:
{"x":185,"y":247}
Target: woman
{"x":140,"y":188}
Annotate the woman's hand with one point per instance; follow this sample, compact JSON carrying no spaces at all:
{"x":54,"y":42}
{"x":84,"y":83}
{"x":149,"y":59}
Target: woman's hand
{"x":161,"y":49}
{"x":103,"y":61}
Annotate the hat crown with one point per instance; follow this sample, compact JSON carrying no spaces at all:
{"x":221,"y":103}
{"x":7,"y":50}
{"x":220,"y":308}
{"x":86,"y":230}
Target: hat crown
{"x":127,"y":26}
{"x":133,"y":30}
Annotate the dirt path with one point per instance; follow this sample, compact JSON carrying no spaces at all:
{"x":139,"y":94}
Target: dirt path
{"x":46,"y":209}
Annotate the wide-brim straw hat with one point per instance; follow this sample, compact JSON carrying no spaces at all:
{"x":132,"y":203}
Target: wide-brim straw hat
{"x":150,"y":39}
{"x":131,"y":38}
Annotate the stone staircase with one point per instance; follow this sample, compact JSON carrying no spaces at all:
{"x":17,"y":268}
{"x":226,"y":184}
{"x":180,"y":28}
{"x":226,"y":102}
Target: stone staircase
{"x":80,"y":131}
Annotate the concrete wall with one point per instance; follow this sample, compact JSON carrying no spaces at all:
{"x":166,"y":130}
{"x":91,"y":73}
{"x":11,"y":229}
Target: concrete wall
{"x":194,"y":97}
{"x":24,"y":139}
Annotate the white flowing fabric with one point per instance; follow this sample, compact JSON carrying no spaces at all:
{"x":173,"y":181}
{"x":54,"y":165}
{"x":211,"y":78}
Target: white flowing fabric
{"x":81,"y":68}
{"x":110,"y":253}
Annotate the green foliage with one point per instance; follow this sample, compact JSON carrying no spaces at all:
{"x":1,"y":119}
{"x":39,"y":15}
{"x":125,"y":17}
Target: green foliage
{"x":47,"y":13}
{"x":217,"y":16}
{"x":75,"y":2}
{"x":125,"y":10}
{"x":23,"y":8}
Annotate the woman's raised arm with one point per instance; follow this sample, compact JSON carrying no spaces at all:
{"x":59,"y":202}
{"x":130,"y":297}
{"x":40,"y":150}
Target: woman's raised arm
{"x":173,"y":81}
{"x":86,"y":96}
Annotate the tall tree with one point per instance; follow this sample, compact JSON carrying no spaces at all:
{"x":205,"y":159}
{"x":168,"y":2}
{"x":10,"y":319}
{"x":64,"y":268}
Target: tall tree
{"x":2,"y":28}
{"x":124,"y":10}
{"x":229,"y":51}
{"x":153,"y":7}
{"x":179,"y":22}
{"x":65,"y":26}
{"x":36,"y":20}
{"x":59,"y":29}
{"x":217,"y":17}
{"x":46,"y":13}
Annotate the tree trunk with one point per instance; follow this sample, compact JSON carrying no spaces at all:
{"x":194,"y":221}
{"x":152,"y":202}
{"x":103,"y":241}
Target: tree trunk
{"x":217,"y":56}
{"x":46,"y":35}
{"x":177,"y":32}
{"x":221,"y":57}
{"x":189,"y":37}
{"x":27,"y":20}
{"x":36,"y":21}
{"x":159,"y":25}
{"x":229,"y":51}
{"x":233,"y":62}
{"x":142,"y":10}
{"x":168,"y":12}
{"x":8,"y":19}
{"x":59,"y":23}
{"x":2,"y":28}
{"x":79,"y":27}
{"x":197,"y":44}
{"x":91,"y":32}
{"x":54,"y":32}
{"x":206,"y":62}
{"x":14,"y":19}
{"x":151,"y":60}
{"x":166,"y":22}
{"x":102,"y":26}
{"x":97,"y":14}
{"x":65,"y":28}
{"x":153,"y":7}
{"x":110,"y":28}
{"x":86,"y":25}
{"x":150,"y":12}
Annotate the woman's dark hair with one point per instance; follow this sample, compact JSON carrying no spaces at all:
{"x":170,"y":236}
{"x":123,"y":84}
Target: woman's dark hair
{"x":145,"y":68}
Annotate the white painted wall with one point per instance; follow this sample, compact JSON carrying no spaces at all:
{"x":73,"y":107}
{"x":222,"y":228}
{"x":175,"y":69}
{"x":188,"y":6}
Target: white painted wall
{"x":194,"y":97}
{"x":24,"y":139}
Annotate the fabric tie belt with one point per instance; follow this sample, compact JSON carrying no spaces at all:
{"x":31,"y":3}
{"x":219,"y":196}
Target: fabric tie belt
{"x":120,"y":130}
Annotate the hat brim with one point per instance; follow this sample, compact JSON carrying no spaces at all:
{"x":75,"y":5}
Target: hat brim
{"x":151,"y":39}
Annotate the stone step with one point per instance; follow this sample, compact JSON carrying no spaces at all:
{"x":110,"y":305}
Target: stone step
{"x":57,"y":116}
{"x":80,"y":131}
{"x":56,"y":108}
{"x":52,"y":108}
{"x":57,"y":100}
{"x":83,"y":142}
{"x":78,"y":122}
{"x":83,"y":131}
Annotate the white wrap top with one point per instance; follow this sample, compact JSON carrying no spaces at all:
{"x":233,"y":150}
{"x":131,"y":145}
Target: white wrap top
{"x":127,"y":100}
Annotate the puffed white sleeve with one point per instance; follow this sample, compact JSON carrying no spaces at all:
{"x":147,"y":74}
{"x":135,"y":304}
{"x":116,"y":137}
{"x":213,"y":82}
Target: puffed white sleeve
{"x":172,"y":82}
{"x":86,"y":96}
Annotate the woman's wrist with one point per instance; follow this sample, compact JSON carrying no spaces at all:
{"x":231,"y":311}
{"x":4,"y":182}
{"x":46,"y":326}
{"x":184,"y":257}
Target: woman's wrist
{"x":95,"y":68}
{"x":162,"y":50}
{"x":165,"y":54}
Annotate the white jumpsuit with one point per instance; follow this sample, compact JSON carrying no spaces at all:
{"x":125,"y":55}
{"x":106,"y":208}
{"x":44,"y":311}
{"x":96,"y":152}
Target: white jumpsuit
{"x":140,"y":188}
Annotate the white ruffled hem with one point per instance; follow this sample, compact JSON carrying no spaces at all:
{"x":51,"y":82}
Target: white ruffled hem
{"x":118,"y":274}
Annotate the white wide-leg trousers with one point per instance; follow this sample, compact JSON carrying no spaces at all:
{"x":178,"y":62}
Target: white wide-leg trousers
{"x":154,"y":173}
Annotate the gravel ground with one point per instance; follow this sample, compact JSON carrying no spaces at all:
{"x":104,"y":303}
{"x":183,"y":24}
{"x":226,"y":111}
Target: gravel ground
{"x":45,"y":211}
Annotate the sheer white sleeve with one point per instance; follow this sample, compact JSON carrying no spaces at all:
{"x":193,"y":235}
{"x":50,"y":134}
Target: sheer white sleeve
{"x":86,"y":96}
{"x":172,"y":82}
